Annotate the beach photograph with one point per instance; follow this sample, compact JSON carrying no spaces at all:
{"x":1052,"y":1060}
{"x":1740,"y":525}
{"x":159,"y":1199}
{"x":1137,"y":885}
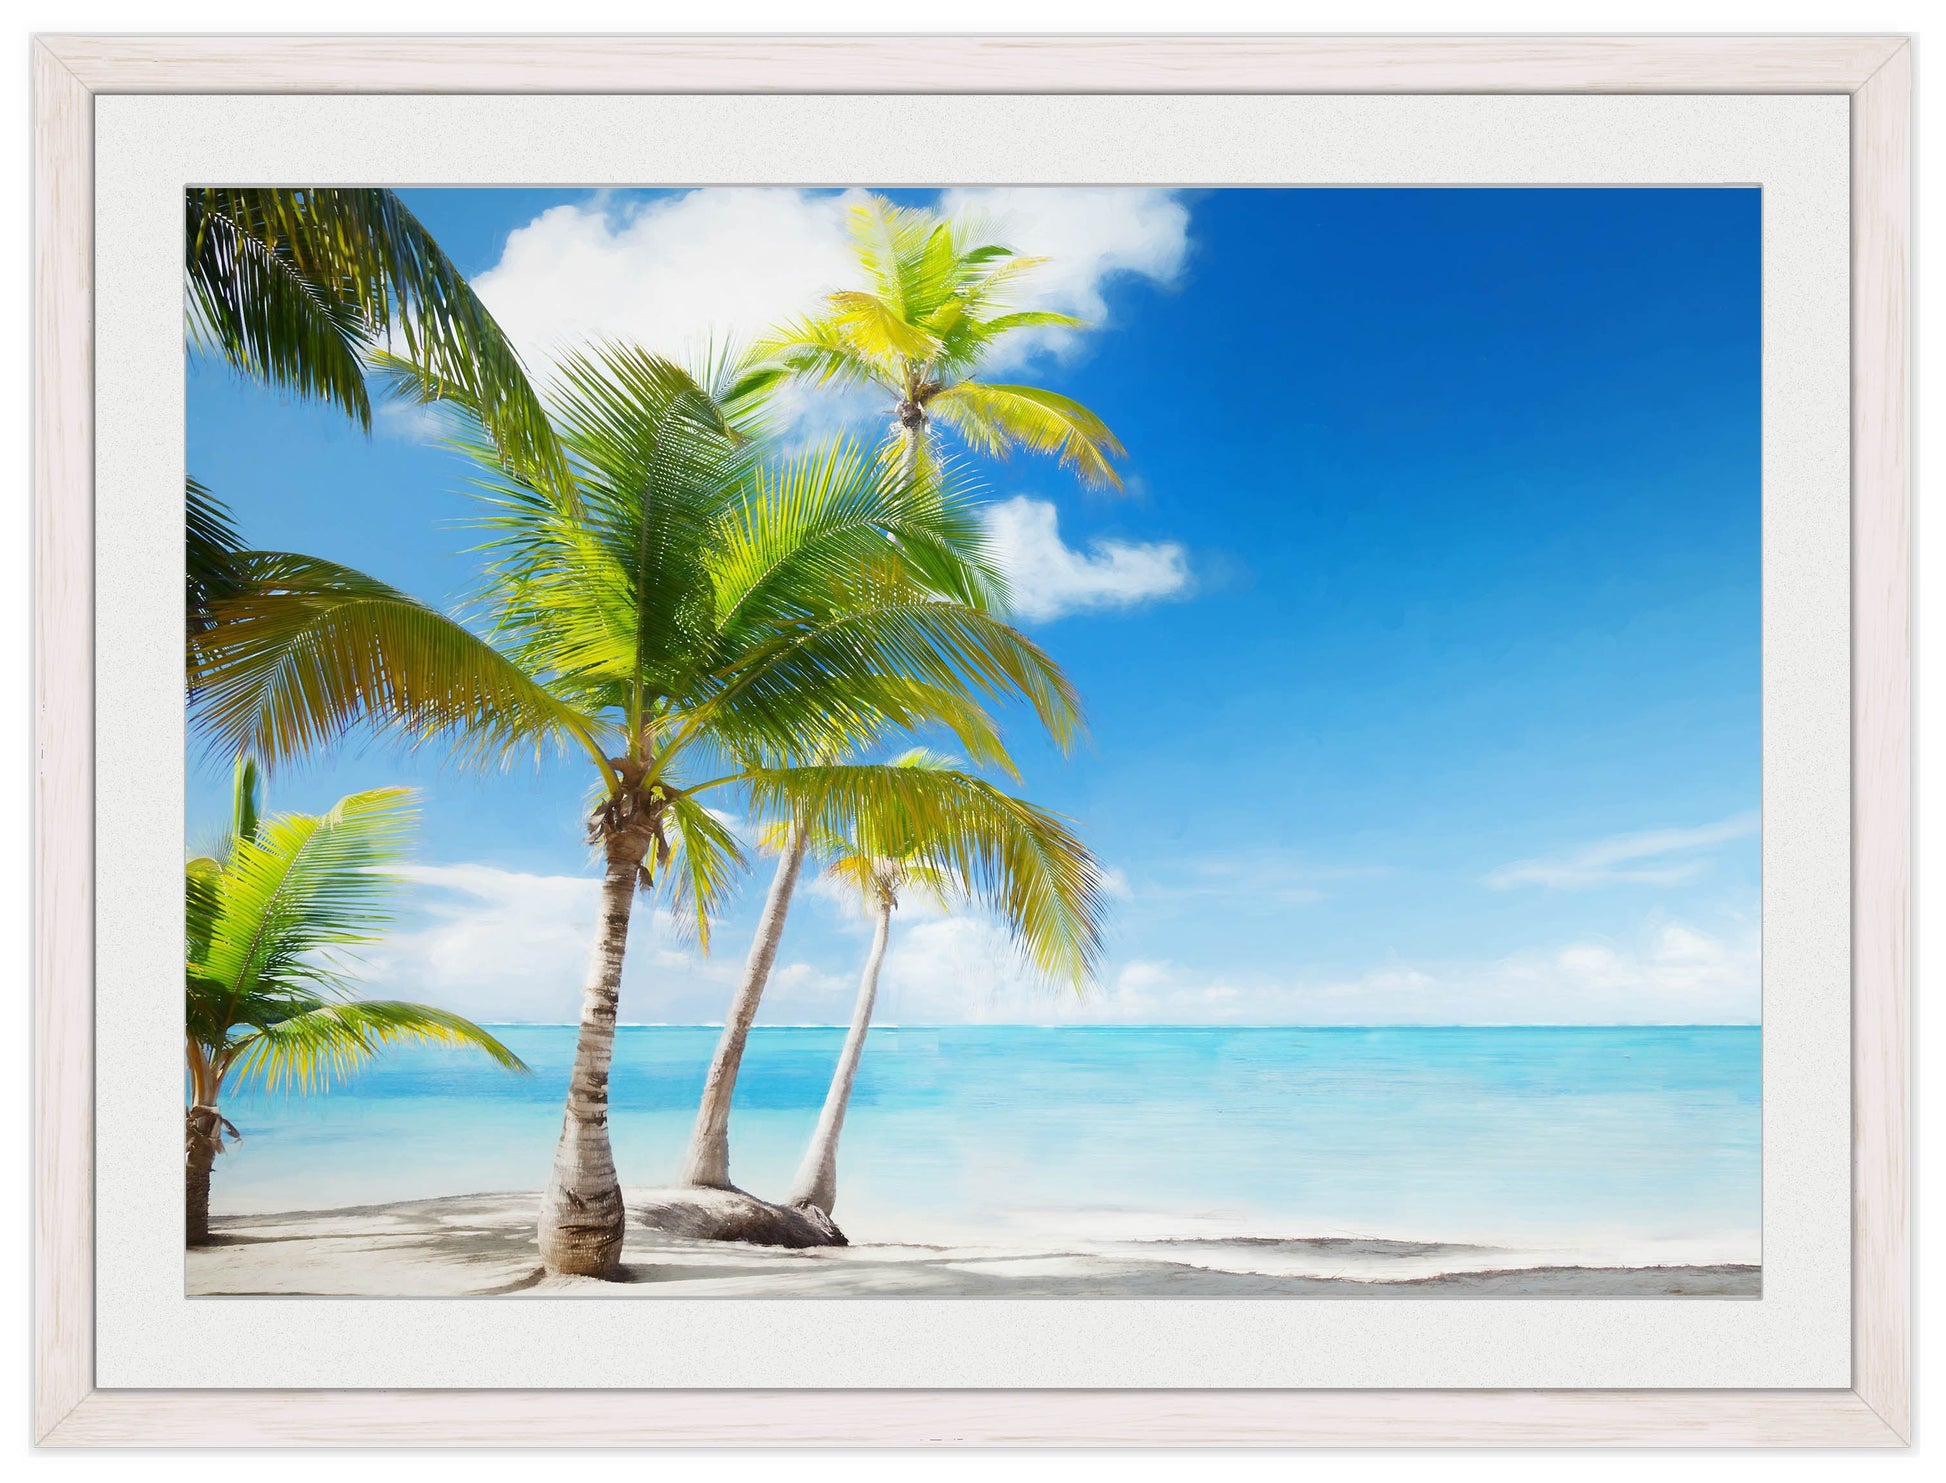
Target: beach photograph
{"x":972,"y":742}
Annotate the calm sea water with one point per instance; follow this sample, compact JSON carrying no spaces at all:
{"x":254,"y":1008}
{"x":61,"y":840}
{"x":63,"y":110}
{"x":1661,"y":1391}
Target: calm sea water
{"x":1535,"y":1134}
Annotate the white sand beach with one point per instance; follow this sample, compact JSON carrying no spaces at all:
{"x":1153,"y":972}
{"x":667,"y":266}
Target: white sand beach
{"x":483,"y":1246}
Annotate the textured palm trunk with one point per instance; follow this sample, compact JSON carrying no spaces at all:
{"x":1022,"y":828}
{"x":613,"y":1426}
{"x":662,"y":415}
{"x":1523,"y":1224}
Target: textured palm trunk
{"x":202,"y":1140}
{"x":912,"y":440}
{"x":708,"y":1161}
{"x":581,"y":1212}
{"x":817,"y":1176}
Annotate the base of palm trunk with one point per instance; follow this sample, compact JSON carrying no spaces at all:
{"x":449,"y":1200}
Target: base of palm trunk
{"x":731,"y":1215}
{"x":196,"y":1206}
{"x":581,"y":1238}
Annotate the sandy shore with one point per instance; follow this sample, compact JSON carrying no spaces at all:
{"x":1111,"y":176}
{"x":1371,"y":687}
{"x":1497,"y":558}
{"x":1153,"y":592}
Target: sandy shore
{"x":482,"y":1246}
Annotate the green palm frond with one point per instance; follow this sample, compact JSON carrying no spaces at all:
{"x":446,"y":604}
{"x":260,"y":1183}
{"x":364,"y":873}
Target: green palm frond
{"x":303,"y":883}
{"x":820,"y":351}
{"x":263,"y":301}
{"x":876,"y":327}
{"x":203,"y":899}
{"x":891,"y":243}
{"x":835,"y":678}
{"x":998,"y":419}
{"x":296,"y":286}
{"x":322,"y":1042}
{"x":796,"y":546}
{"x":704,"y":870}
{"x":950,"y":710}
{"x":956,"y":833}
{"x":211,"y":549}
{"x":308,"y":652}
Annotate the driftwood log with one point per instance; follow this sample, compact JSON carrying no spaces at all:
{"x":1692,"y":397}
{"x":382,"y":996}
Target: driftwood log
{"x":732,"y":1215}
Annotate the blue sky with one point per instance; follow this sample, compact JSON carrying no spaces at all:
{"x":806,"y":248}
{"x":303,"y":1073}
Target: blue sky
{"x":1421,"y":657}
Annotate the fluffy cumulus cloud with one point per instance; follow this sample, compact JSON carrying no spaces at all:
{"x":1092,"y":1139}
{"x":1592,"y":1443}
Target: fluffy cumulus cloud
{"x":725,"y":264}
{"x":1088,"y":236}
{"x":669,"y":273}
{"x":1656,"y":857}
{"x":1050,"y":578}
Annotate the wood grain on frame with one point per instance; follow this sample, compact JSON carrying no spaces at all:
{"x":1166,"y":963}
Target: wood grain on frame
{"x":1881,"y":720}
{"x":975,"y":64}
{"x":68,"y":1411}
{"x":64,"y":740}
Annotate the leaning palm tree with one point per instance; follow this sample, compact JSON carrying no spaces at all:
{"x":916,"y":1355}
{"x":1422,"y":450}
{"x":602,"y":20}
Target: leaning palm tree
{"x":920,"y":827}
{"x":706,"y":1162}
{"x":690,"y":620}
{"x":299,"y":288}
{"x":266,"y":1004}
{"x":934,"y":308}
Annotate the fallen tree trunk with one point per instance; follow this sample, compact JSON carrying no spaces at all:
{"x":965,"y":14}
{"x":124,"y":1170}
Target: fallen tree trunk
{"x":704,"y":1214}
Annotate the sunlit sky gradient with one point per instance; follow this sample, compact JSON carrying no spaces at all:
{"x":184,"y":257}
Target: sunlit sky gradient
{"x":1421,"y":656}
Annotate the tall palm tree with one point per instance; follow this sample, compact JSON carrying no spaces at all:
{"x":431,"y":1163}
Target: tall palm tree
{"x":920,"y":827}
{"x":299,"y":288}
{"x":934,"y":308}
{"x":265,"y":1003}
{"x":692,"y":621}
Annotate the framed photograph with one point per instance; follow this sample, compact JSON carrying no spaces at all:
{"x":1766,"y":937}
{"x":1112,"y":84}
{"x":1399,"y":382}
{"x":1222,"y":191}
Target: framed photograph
{"x":983,"y":741}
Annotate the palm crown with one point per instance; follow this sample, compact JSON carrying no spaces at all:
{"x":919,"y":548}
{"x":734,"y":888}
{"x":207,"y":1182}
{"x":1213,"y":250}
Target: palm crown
{"x":919,"y":824}
{"x":935,"y":307}
{"x":695,"y":618}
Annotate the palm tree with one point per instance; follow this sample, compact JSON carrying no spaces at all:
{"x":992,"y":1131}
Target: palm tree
{"x":933,"y":311}
{"x":265,"y":1003}
{"x":299,"y":288}
{"x":691,"y":621}
{"x":920,"y":827}
{"x":706,"y":1163}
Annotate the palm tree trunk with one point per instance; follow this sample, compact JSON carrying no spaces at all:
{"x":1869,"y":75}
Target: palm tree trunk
{"x":817,"y":1176}
{"x":708,"y":1161}
{"x":911,"y":425}
{"x":202,"y":1140}
{"x":581,"y":1212}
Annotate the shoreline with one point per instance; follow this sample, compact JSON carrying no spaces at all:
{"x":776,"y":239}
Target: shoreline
{"x":482,"y":1246}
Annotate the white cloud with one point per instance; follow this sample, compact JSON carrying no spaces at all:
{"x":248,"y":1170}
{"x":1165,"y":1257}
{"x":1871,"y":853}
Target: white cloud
{"x":409,"y":422}
{"x":501,"y":946}
{"x":963,"y":969}
{"x":1089,"y":235}
{"x":1660,"y":857}
{"x":1275,"y":877}
{"x":669,"y":273}
{"x":729,"y":262}
{"x":1051,"y":578}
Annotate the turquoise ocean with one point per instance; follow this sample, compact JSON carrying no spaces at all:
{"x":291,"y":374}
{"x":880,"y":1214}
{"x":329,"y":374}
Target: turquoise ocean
{"x":1637,"y":1139}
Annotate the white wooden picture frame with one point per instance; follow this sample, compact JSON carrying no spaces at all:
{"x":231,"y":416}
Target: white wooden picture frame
{"x":69,"y":72}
